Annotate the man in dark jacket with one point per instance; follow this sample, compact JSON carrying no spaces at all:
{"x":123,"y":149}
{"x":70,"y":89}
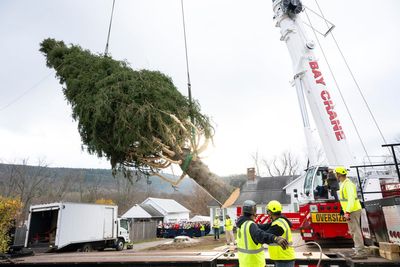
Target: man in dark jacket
{"x":250,"y":238}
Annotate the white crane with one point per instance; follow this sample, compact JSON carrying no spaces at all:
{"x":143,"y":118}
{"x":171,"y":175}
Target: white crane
{"x":310,"y":84}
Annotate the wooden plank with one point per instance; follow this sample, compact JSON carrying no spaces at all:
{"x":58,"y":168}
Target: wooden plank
{"x":390,"y":247}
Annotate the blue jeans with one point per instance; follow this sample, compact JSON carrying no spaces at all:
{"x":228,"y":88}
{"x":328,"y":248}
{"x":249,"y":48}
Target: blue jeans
{"x":216,"y":233}
{"x":284,"y":264}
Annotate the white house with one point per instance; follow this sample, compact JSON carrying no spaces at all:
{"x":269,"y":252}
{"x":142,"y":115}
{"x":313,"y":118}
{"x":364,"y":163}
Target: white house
{"x":169,"y":208}
{"x":289,"y":188}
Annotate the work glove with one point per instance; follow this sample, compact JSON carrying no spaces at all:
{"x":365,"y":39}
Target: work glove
{"x":347,"y":216}
{"x":282,"y":242}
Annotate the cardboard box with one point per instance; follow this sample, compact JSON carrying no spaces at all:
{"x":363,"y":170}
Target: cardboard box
{"x":382,"y":253}
{"x":393,"y":256}
{"x":390,"y":247}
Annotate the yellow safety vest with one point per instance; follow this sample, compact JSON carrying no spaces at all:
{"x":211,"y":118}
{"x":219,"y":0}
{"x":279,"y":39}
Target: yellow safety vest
{"x":228,"y":225}
{"x":249,"y":253}
{"x":348,"y":196}
{"x":202,"y":228}
{"x":216,"y":223}
{"x":276,"y":252}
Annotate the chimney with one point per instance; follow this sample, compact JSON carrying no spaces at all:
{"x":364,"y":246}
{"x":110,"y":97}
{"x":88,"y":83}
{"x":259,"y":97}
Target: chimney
{"x":251,"y":174}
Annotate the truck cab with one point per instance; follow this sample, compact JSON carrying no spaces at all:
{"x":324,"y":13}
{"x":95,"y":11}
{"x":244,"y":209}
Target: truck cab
{"x":123,"y":231}
{"x":318,"y":184}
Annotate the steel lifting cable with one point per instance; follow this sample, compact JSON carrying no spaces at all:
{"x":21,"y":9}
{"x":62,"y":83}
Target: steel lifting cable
{"x":188,"y":73}
{"x":354,"y":79}
{"x":338,"y":87}
{"x":316,"y":244}
{"x":109,"y":29}
{"x":186,"y":54}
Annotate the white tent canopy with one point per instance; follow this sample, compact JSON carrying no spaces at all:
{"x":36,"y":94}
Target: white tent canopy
{"x":200,"y":218}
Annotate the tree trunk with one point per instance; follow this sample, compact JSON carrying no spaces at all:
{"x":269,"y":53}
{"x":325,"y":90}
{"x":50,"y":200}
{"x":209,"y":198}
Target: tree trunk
{"x":211,"y":182}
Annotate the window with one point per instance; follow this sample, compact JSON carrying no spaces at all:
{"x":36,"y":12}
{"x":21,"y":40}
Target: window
{"x":124,"y":224}
{"x":308,"y":181}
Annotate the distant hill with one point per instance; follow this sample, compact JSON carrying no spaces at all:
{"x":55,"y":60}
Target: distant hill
{"x":104,"y":177}
{"x":40,"y":184}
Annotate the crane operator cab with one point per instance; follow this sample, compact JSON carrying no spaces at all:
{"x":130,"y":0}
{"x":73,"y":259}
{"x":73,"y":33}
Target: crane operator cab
{"x":320,"y":183}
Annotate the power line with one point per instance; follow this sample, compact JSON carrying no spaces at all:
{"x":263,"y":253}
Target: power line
{"x":25,"y":92}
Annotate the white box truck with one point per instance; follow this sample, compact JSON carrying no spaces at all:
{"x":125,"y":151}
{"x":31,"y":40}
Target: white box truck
{"x":66,"y":226}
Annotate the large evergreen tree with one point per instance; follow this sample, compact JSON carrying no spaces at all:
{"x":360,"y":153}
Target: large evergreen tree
{"x":135,"y":118}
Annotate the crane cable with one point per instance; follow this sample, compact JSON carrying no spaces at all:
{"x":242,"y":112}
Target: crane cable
{"x":188,"y":73}
{"x":16,"y":99}
{"x":340,"y":91}
{"x":354,"y":79}
{"x":109,"y":30}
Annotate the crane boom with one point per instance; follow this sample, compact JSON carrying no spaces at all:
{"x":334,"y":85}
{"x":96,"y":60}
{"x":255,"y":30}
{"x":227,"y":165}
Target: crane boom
{"x":310,"y":84}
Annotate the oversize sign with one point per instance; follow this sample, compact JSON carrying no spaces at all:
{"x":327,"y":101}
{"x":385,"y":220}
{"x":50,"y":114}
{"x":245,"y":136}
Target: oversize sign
{"x":327,"y":218}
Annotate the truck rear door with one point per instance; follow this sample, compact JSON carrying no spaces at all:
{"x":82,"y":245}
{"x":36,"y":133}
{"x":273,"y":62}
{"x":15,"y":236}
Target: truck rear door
{"x":108,"y":223}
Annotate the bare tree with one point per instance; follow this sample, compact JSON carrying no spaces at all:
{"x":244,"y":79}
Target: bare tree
{"x":26,"y":182}
{"x":199,"y":204}
{"x":8,"y":186}
{"x":282,"y":165}
{"x":61,"y":186}
{"x":94,"y":190}
{"x":256,"y":160}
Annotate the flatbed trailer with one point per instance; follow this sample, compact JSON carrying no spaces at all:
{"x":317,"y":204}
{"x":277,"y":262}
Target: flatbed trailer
{"x":192,"y":259}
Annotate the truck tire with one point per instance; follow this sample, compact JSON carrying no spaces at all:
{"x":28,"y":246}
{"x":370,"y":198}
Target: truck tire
{"x":120,"y":244}
{"x":87,"y":247}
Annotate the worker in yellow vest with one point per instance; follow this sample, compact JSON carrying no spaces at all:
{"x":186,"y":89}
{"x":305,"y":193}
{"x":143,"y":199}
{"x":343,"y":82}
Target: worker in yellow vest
{"x":216,"y":227}
{"x":250,"y":238}
{"x":229,"y":230}
{"x":351,"y":207}
{"x":202,"y":229}
{"x":280,"y":226}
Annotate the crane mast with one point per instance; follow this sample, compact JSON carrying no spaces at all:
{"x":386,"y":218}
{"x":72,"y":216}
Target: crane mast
{"x":310,"y":84}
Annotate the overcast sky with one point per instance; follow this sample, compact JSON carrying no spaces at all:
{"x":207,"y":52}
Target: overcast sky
{"x":239,"y":68}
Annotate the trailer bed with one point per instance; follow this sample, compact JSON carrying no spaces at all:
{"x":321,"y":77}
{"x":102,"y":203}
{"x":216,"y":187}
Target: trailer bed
{"x":179,"y":258}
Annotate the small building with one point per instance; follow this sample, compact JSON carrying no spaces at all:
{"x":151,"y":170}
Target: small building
{"x":143,"y":222}
{"x":171,"y":210}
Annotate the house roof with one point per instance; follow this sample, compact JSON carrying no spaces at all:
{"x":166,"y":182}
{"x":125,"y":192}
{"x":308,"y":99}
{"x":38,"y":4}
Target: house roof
{"x":136,"y":212}
{"x":168,"y":205}
{"x":293,"y":181}
{"x":152,"y":211}
{"x":232,"y":198}
{"x":265,"y":189}
{"x":213,"y":203}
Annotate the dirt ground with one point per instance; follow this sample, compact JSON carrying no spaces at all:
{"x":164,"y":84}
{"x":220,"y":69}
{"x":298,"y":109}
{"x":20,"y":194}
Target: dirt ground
{"x":202,"y":244}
